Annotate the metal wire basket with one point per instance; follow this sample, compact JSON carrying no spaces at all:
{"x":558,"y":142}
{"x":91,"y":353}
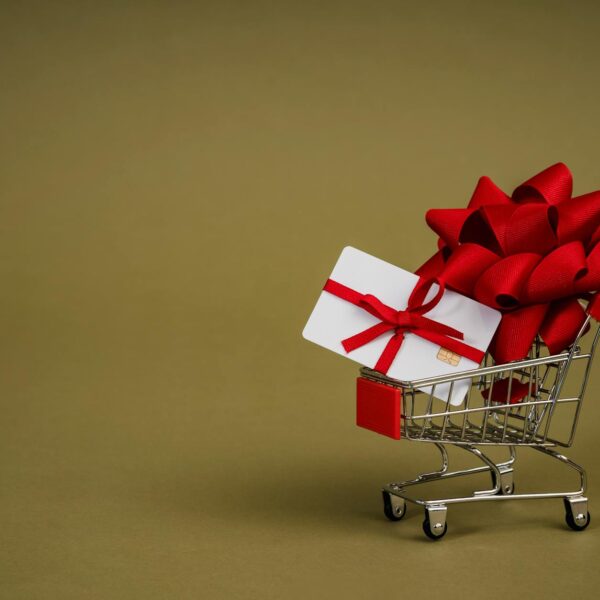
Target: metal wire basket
{"x":509,"y":405}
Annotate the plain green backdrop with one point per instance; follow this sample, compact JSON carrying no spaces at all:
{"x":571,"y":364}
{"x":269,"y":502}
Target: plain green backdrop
{"x":176,"y":182}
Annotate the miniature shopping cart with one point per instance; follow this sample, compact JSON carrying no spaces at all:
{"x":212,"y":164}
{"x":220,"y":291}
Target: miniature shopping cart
{"x":543,"y":415}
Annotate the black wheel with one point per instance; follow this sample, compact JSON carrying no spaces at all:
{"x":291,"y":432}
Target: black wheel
{"x":572,"y":522}
{"x":393,"y":513}
{"x":432,"y":534}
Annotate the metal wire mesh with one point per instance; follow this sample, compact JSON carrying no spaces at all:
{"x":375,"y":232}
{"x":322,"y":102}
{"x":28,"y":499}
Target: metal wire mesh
{"x":510,"y":404}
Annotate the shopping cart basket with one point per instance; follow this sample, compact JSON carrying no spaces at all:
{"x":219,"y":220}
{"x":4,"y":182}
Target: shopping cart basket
{"x":546,"y":384}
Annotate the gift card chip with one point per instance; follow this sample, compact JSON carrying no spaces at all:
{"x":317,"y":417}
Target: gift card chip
{"x":448,"y":357}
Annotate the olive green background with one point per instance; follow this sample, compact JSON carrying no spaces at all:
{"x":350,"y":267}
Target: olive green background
{"x":177,"y":180}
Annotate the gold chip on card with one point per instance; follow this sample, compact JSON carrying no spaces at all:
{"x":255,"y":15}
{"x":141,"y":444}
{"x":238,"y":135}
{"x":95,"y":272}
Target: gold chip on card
{"x":448,"y":356}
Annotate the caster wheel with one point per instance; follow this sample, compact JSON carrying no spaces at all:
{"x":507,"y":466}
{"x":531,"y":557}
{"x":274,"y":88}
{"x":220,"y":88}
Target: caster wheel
{"x":578,"y":521}
{"x":434,"y":533}
{"x":394,"y":508}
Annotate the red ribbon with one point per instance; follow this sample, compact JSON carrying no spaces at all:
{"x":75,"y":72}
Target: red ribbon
{"x":530,"y":255}
{"x":410,"y":320}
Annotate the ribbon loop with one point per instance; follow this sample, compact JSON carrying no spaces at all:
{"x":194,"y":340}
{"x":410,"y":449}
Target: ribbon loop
{"x":530,"y":255}
{"x":419,"y":293}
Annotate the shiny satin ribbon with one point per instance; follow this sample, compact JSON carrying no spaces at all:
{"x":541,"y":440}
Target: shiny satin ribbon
{"x":530,"y":255}
{"x":410,"y":320}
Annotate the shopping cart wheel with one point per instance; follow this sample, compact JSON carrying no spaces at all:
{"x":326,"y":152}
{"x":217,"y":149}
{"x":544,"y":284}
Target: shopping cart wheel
{"x":394,"y":507}
{"x":435,"y":525}
{"x":432,"y":533}
{"x":576,"y":514}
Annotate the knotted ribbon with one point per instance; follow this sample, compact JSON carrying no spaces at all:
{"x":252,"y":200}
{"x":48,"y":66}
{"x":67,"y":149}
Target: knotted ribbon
{"x":409,"y":320}
{"x":531,"y":255}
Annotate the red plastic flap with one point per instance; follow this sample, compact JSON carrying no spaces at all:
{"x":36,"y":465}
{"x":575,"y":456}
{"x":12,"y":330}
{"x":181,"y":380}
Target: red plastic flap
{"x":378,"y":407}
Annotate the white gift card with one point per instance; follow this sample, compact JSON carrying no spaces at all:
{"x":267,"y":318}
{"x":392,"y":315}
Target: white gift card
{"x":334,"y":319}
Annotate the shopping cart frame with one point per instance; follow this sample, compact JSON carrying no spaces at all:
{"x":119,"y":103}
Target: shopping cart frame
{"x":488,"y":422}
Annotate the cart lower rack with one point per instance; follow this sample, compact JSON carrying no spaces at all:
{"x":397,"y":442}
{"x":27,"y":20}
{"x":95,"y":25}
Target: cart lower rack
{"x":512,"y":404}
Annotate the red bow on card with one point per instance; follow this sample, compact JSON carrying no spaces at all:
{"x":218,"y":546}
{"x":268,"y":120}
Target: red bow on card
{"x":530,"y":255}
{"x":410,"y":320}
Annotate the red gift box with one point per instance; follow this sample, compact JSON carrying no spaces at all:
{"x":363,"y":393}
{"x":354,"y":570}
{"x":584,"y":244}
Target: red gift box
{"x":378,"y":407}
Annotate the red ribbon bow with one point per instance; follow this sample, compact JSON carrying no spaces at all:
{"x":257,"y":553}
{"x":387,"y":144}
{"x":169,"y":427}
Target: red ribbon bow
{"x":410,"y":320}
{"x":530,"y":255}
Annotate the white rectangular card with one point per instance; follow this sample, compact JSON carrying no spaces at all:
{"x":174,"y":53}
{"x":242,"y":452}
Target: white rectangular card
{"x":334,"y":319}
